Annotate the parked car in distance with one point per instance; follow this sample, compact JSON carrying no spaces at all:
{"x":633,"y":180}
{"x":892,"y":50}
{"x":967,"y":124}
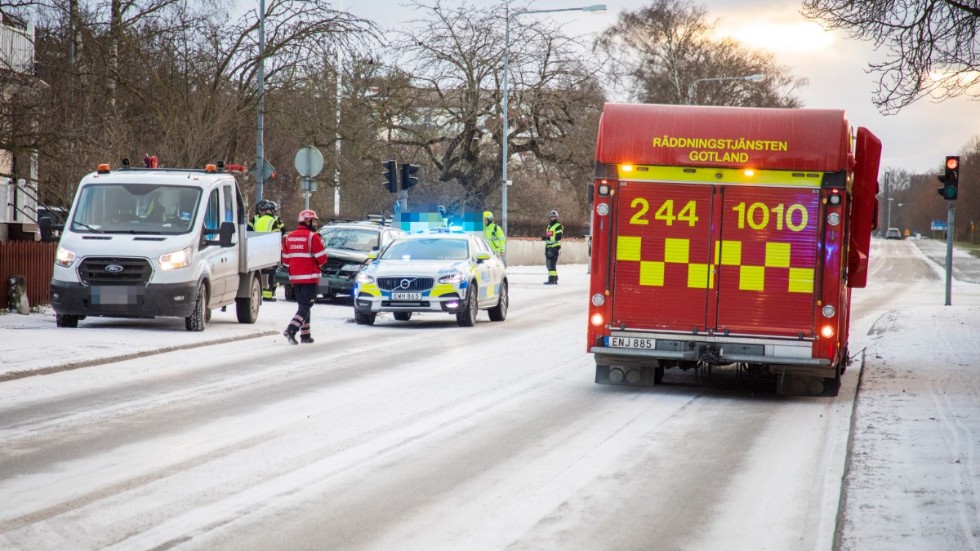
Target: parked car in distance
{"x":440,"y":271}
{"x":893,"y":233}
{"x":348,"y":245}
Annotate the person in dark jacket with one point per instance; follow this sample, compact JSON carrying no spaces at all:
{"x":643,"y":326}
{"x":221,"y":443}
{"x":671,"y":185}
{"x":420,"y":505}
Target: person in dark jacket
{"x":552,"y":246}
{"x":303,"y":253}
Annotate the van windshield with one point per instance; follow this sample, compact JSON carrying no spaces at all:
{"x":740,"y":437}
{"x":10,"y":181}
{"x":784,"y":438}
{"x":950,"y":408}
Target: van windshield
{"x":135,"y":208}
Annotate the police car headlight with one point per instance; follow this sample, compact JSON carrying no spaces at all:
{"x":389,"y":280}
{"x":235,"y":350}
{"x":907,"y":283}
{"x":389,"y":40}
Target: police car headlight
{"x":174,"y":260}
{"x":365,"y":278}
{"x":64,"y":258}
{"x":454,"y":277}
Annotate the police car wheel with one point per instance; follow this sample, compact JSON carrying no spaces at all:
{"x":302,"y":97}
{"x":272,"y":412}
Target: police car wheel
{"x":364,"y":318}
{"x":499,"y":312}
{"x":467,"y":316}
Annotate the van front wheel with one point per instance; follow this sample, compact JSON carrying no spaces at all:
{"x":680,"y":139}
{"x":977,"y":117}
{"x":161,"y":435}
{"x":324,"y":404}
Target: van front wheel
{"x":198,"y":318}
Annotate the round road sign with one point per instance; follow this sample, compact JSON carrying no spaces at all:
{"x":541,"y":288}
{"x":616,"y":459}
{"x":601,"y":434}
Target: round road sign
{"x":308,"y":161}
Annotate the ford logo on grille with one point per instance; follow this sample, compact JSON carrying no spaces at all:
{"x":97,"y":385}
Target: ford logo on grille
{"x":113,"y":268}
{"x":405,"y":284}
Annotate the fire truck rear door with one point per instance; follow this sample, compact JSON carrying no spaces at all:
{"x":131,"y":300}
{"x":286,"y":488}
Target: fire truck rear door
{"x":767,"y":260}
{"x":662,"y":269}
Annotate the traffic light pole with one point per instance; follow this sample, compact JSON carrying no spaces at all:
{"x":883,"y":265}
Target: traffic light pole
{"x":950,"y":217}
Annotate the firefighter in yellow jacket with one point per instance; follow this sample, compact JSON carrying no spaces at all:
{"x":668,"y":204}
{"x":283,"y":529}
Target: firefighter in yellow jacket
{"x":494,"y":234}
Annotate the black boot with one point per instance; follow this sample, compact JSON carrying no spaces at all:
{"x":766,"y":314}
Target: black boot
{"x":552,"y":280}
{"x":306,"y":339}
{"x":290,"y":336}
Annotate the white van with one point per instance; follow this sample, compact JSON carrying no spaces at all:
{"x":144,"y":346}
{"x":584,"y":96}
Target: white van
{"x":149,"y":242}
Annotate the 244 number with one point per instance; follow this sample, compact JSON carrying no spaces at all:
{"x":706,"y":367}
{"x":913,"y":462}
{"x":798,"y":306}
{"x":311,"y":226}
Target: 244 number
{"x":665,"y":213}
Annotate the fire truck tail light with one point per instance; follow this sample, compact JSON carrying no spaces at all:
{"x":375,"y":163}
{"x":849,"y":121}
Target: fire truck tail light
{"x":626,"y":168}
{"x":602,"y":209}
{"x":827,"y":331}
{"x":834,"y":198}
{"x":598,"y":299}
{"x":749,"y":172}
{"x":597,"y":320}
{"x":833,"y":219}
{"x":828,"y":311}
{"x":603,"y":189}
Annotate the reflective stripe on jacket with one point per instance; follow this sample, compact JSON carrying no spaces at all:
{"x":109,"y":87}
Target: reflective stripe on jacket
{"x":303,"y":253}
{"x":552,"y":235}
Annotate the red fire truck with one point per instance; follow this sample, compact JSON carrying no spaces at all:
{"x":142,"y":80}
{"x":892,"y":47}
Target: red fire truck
{"x":728,"y":236}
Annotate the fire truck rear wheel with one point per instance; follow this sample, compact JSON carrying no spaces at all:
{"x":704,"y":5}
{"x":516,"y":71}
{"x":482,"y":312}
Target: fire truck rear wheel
{"x":616,"y":376}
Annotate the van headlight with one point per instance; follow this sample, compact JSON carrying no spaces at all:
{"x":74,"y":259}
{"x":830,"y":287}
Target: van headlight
{"x":64,"y":258}
{"x":179,"y":259}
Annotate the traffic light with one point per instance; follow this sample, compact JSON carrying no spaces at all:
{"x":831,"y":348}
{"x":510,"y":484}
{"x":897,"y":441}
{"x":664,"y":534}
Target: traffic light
{"x":390,"y":176}
{"x":409,"y":178}
{"x":950,"y":179}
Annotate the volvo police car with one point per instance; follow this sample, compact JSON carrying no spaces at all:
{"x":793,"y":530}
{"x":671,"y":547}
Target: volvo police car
{"x":441,"y":271}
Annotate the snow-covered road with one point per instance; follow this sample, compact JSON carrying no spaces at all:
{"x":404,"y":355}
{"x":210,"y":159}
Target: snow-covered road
{"x":424,"y":435}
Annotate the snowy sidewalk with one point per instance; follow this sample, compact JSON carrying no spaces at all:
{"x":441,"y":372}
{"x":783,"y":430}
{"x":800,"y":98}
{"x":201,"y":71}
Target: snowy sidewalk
{"x":913,"y":471}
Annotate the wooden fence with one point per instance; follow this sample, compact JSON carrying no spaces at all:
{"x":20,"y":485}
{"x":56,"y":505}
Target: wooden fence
{"x":34,"y":261}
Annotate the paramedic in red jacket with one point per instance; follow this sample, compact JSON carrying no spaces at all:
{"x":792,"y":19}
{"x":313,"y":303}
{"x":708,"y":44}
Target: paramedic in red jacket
{"x":303,"y":253}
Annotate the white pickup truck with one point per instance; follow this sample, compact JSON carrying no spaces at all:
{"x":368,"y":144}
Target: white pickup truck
{"x":159,"y":242}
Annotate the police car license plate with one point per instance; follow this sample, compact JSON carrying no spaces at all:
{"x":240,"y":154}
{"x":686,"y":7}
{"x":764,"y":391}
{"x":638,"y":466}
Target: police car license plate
{"x":631,"y":342}
{"x":406,"y":296}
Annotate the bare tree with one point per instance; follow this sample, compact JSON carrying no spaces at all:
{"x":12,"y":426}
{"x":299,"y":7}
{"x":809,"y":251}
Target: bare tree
{"x":169,"y":77}
{"x":932,"y":45}
{"x":450,"y":113}
{"x":657,"y":52}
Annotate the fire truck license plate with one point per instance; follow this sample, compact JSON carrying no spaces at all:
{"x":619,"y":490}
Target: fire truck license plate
{"x":406,"y":296}
{"x":631,"y":342}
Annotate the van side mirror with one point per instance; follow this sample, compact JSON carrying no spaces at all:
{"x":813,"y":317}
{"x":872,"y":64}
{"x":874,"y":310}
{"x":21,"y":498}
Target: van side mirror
{"x":225,"y":232}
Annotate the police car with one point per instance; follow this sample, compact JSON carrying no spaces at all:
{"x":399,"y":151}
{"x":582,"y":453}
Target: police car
{"x":451,"y":272}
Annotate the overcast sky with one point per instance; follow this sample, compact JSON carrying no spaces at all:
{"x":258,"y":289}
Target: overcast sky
{"x":917,"y":139}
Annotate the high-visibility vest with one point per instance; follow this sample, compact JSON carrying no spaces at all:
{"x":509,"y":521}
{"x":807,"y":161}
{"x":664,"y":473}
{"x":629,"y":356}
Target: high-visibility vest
{"x":552,"y":235}
{"x":495,"y":235}
{"x":267,"y":223}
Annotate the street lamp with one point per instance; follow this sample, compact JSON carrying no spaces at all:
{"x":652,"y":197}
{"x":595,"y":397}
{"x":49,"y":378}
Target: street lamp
{"x":260,"y":77}
{"x":690,"y":89}
{"x":597,"y":8}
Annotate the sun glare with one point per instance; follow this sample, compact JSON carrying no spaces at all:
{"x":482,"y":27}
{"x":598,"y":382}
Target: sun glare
{"x":805,"y":36}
